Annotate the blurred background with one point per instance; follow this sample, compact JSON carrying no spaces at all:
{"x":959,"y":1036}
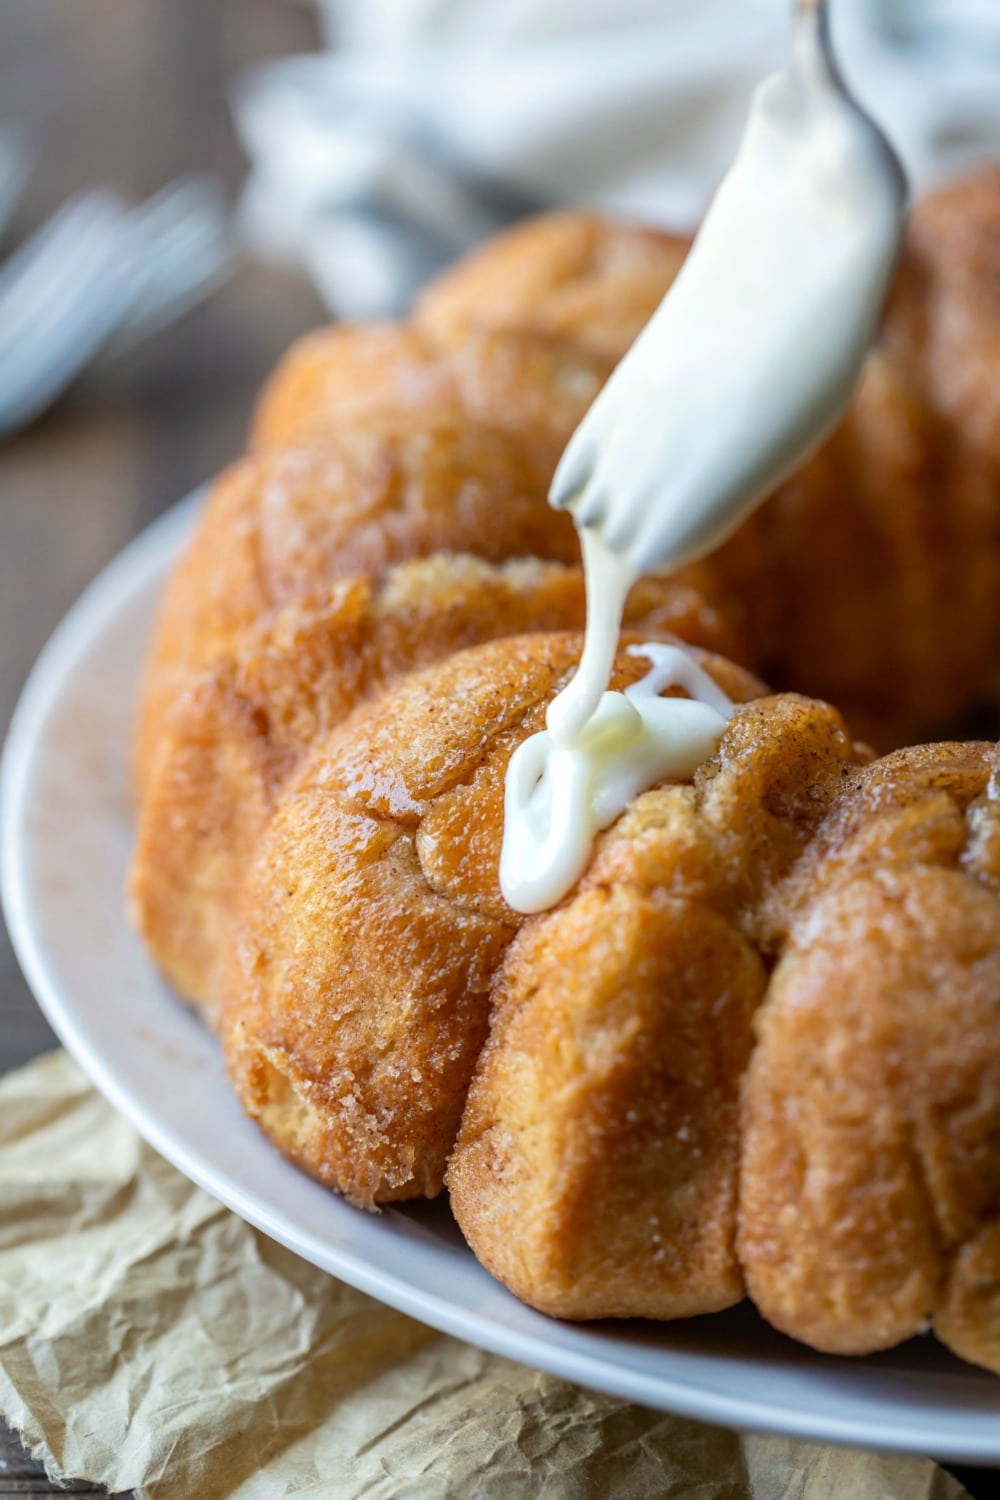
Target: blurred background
{"x":130,"y":93}
{"x":300,"y":160}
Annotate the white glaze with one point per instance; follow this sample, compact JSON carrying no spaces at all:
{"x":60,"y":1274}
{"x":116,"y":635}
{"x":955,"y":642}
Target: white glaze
{"x":608,"y":578}
{"x":752,"y":355}
{"x":744,"y":368}
{"x":560,"y":795}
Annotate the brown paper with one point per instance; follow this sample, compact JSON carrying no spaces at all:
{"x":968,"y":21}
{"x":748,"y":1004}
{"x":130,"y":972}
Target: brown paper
{"x":150,"y":1339}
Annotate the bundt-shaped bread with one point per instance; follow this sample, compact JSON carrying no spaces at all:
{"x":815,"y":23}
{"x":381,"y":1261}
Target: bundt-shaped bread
{"x":756,"y":1045}
{"x":223,"y":748}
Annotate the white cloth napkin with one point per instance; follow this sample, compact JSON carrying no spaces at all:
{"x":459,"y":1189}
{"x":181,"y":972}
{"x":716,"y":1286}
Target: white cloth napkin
{"x":431,"y":123}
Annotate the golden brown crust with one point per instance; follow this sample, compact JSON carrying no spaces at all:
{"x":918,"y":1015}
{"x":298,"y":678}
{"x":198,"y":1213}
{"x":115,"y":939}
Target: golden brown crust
{"x":873,"y":577}
{"x":603,"y":1114}
{"x":577,"y":276}
{"x":533,"y":386}
{"x":870,"y":1178}
{"x":853,"y":565}
{"x":355,"y":1061}
{"x":237,"y":732}
{"x":967,"y":1310}
{"x":372,"y":922}
{"x":872,"y":1106}
{"x":279,"y":526}
{"x":603,"y":1118}
{"x":845,"y":913}
{"x":946,"y":317}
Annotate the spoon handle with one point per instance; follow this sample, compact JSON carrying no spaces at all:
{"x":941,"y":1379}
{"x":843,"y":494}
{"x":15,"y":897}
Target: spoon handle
{"x":816,"y":15}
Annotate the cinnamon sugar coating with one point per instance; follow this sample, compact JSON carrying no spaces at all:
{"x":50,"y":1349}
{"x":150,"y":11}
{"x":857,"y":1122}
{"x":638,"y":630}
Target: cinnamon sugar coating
{"x":872,"y":578}
{"x":755,"y":1047}
{"x":596,"y":1170}
{"x":870,"y":1184}
{"x":371,"y":925}
{"x":279,"y":526}
{"x":533,"y":386}
{"x":574,"y":276}
{"x":227,"y":744}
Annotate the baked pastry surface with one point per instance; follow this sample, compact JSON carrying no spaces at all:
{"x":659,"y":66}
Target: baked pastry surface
{"x":870,"y":1181}
{"x":371,"y":924}
{"x":756,"y":1047}
{"x":279,"y":526}
{"x":872,"y":578}
{"x":575,"y":276}
{"x":218,"y":754}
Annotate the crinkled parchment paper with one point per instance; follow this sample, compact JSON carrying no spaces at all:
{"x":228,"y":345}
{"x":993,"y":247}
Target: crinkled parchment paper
{"x":151,"y":1339}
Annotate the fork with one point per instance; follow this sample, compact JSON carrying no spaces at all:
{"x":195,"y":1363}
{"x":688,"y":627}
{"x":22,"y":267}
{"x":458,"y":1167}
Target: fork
{"x":60,"y":295}
{"x":640,"y":476}
{"x":99,"y":278}
{"x":14,"y":159}
{"x":183,"y":252}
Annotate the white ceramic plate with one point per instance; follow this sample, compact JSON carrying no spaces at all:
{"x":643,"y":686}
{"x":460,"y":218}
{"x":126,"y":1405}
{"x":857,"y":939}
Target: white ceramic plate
{"x":66,"y":838}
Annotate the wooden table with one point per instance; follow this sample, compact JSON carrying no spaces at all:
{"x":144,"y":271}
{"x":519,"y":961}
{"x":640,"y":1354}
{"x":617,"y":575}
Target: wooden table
{"x":130,"y":92}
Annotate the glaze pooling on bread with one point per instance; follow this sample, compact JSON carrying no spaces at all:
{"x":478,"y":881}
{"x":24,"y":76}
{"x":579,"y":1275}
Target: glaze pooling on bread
{"x":660,"y":959}
{"x":559,"y":793}
{"x":719,"y":399}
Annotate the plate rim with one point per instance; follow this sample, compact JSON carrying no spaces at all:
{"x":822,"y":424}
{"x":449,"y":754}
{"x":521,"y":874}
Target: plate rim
{"x":124,"y":577}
